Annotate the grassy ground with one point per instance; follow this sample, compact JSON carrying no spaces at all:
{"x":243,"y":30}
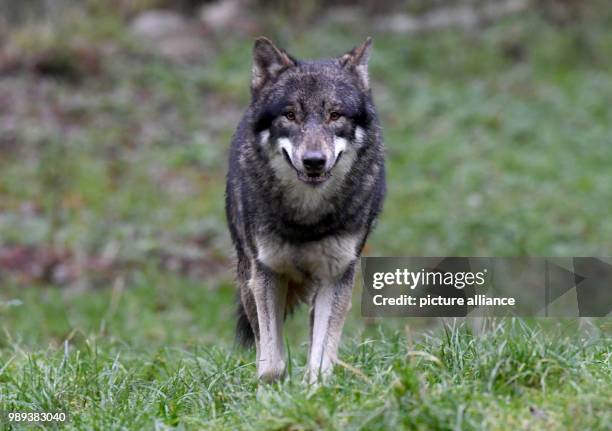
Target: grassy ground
{"x":116,"y":295}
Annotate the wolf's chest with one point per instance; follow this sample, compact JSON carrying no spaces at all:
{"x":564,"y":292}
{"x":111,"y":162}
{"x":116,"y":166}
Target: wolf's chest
{"x":325,"y":259}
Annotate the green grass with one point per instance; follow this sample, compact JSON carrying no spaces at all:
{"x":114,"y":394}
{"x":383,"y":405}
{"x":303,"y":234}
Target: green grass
{"x":512,"y":377}
{"x":487,"y":155}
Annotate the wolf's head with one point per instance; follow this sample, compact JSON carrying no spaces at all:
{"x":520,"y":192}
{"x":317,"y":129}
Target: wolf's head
{"x":311,"y":117}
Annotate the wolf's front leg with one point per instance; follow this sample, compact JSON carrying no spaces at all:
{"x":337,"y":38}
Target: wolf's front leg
{"x":270,"y":293}
{"x":330,"y":307}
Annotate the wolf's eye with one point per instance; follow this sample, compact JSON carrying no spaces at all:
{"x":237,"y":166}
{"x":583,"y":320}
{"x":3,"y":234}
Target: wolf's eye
{"x":334,"y":116}
{"x":290,"y":116}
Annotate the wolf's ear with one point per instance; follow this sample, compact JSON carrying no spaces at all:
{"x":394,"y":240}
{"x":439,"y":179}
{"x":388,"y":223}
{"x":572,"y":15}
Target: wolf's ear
{"x":357,"y":59}
{"x":268,"y":62}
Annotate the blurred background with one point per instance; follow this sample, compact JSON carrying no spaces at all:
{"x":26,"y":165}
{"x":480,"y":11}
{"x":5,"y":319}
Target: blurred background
{"x":116,"y":117}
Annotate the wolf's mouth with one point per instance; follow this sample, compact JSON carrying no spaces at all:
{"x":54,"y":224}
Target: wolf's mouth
{"x":313,"y":178}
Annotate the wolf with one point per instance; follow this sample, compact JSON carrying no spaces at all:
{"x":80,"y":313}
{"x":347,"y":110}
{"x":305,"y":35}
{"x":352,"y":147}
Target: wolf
{"x":305,"y":184}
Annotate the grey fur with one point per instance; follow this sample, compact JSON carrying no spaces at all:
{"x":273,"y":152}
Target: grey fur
{"x":305,"y":184}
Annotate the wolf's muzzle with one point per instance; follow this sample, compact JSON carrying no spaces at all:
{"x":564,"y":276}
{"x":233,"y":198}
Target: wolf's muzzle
{"x":314,"y":162}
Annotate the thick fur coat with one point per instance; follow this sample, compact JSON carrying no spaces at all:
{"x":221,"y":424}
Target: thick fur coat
{"x":305,"y":184}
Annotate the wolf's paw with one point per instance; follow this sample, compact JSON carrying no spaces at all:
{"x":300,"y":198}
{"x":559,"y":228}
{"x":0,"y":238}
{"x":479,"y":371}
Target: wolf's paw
{"x":269,"y":373}
{"x":316,"y":376}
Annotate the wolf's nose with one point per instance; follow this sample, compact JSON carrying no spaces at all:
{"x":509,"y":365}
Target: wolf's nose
{"x":314,"y":161}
